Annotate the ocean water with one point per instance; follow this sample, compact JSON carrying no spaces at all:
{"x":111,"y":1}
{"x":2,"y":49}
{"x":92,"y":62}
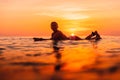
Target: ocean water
{"x":23,"y":59}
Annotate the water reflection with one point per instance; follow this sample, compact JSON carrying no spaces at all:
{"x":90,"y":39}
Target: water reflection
{"x":94,"y":43}
{"x":70,"y":60}
{"x":58,"y":55}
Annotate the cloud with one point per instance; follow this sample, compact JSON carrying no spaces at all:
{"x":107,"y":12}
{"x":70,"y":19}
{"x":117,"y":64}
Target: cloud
{"x":65,"y":12}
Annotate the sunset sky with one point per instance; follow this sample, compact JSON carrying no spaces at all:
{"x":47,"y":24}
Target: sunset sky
{"x":33,"y":17}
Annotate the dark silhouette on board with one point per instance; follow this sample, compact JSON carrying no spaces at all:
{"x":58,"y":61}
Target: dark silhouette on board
{"x":58,"y":35}
{"x":93,"y":36}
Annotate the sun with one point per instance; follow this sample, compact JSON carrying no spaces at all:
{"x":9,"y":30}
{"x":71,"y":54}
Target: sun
{"x":72,"y":34}
{"x":72,"y":31}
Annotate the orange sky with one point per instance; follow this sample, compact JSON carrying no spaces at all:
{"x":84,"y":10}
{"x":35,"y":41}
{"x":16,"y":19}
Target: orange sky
{"x":33,"y":17}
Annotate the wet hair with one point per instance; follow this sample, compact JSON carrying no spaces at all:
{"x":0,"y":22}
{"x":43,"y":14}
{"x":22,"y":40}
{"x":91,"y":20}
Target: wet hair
{"x":54,"y":24}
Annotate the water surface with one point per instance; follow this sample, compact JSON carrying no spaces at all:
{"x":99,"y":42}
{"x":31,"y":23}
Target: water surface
{"x":23,"y":59}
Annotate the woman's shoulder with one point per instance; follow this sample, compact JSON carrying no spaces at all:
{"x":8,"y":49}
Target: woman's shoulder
{"x":56,"y":32}
{"x":59,"y":32}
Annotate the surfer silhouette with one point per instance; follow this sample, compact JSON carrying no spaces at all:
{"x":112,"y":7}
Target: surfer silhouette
{"x":58,"y":35}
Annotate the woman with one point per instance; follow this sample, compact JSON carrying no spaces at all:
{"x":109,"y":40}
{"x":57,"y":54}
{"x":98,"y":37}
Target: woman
{"x":57,"y":34}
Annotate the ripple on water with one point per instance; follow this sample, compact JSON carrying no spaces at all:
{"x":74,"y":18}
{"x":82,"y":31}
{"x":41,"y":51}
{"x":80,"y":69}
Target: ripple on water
{"x":13,"y":47}
{"x":1,"y":52}
{"x":38,"y":54}
{"x":2,"y":49}
{"x":2,"y":58}
{"x":114,"y":50}
{"x":31,"y":63}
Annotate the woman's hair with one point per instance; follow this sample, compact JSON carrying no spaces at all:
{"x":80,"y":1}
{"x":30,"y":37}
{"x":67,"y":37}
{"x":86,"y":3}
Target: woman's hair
{"x":54,"y":24}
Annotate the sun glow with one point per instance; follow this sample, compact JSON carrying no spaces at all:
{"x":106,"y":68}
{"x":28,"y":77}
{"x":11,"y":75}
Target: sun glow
{"x":77,"y":29}
{"x":75,"y":16}
{"x":72,"y":34}
{"x":72,"y":29}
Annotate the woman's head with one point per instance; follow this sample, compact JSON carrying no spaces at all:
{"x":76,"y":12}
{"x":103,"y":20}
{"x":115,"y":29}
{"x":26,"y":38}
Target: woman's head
{"x":54,"y":26}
